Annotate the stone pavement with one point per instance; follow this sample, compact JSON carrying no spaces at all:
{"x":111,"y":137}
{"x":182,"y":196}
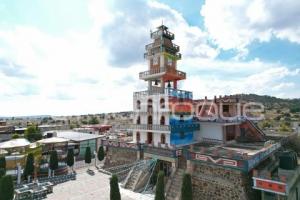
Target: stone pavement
{"x":91,"y":186}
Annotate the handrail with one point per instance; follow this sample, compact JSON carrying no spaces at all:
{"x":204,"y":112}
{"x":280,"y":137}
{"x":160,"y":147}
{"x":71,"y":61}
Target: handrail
{"x":168,"y":91}
{"x":152,"y":170}
{"x":171,"y":70}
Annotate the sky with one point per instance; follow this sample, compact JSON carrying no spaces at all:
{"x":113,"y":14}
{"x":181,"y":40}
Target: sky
{"x":69,"y":57}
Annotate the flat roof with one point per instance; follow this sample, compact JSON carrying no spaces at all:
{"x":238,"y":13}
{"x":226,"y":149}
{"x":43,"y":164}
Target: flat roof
{"x":14,"y":143}
{"x":53,"y":140}
{"x":77,"y":136}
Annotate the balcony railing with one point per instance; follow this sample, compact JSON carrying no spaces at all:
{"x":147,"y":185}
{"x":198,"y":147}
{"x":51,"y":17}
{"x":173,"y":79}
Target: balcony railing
{"x":159,"y":151}
{"x":127,"y":145}
{"x":146,"y":74}
{"x":172,"y":47}
{"x":167,"y":91}
{"x":158,"y":33}
{"x":184,"y":127}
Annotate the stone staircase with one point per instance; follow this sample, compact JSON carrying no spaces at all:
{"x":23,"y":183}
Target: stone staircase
{"x":134,"y":177}
{"x":174,"y":190}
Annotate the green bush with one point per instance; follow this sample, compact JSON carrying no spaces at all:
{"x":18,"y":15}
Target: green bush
{"x":100,"y":154}
{"x":160,"y":187}
{"x":6,"y":188}
{"x":15,"y":136}
{"x":88,"y":155}
{"x":70,"y":157}
{"x":29,"y":167}
{"x":186,"y":188}
{"x":114,"y":188}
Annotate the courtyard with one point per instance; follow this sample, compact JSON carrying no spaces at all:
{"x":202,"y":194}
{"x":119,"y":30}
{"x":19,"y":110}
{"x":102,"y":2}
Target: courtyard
{"x":92,"y":185}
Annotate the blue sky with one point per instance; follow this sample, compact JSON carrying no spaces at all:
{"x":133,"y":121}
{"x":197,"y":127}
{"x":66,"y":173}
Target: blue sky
{"x":83,"y":56}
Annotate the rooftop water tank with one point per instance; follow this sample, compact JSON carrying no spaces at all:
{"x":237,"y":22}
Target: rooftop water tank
{"x":288,"y":160}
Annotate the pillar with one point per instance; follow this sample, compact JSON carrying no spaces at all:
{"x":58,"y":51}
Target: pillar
{"x":18,"y":173}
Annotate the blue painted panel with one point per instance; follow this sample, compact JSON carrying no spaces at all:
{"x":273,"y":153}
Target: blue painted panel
{"x":182,"y":132}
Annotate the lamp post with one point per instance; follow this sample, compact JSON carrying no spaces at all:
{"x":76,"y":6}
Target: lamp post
{"x":95,"y":154}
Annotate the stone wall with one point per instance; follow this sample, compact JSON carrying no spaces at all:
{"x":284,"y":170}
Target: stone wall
{"x":216,"y":183}
{"x":119,"y":156}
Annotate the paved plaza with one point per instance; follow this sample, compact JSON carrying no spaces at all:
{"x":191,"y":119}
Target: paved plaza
{"x":91,"y":186}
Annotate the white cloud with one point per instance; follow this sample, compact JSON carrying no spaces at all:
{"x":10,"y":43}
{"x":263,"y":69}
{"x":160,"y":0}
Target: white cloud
{"x":234,"y":24}
{"x":97,"y":70}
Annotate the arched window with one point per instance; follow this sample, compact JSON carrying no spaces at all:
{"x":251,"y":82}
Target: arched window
{"x":150,"y":119}
{"x":138,"y":137}
{"x":162,"y":120}
{"x":138,"y":104}
{"x":162,"y":103}
{"x":162,"y":139}
{"x":149,"y":106}
{"x":138,"y":121}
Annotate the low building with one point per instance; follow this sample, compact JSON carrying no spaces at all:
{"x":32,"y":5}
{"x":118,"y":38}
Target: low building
{"x":6,"y":131}
{"x":278,"y":179}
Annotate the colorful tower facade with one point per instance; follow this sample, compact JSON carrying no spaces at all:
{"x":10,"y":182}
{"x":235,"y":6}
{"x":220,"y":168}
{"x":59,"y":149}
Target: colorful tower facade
{"x":162,"y":116}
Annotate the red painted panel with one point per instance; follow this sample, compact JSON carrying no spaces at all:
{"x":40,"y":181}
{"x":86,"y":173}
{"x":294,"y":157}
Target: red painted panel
{"x":277,"y":187}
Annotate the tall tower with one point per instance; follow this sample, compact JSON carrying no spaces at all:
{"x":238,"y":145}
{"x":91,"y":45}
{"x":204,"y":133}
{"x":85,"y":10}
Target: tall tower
{"x":162,"y":118}
{"x":162,"y":56}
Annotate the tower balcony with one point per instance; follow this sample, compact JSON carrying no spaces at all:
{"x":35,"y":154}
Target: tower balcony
{"x":168,"y":72}
{"x":194,"y":126}
{"x":166,"y":91}
{"x":152,"y":52}
{"x":162,"y":32}
{"x":172,"y":47}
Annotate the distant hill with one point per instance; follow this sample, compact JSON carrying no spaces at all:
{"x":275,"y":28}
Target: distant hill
{"x":274,"y":102}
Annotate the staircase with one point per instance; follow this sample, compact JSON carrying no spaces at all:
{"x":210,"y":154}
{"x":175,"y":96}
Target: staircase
{"x":174,"y":191}
{"x":134,"y":177}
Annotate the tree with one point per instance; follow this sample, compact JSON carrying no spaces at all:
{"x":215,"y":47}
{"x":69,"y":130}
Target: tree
{"x":33,"y":134}
{"x":114,"y":188}
{"x":100,"y":153}
{"x":2,"y":172}
{"x":186,"y":188}
{"x":160,"y":187}
{"x":15,"y":136}
{"x":53,"y":161}
{"x":2,"y":163}
{"x":94,"y":120}
{"x":70,"y":158}
{"x":6,"y":188}
{"x":29,"y":166}
{"x":88,"y":155}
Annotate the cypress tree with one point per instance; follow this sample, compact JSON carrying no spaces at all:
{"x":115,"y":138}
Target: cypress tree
{"x":2,"y":163}
{"x":186,"y":188}
{"x":70,"y":157}
{"x":53,"y":161}
{"x":100,"y":154}
{"x":88,"y":155}
{"x":6,"y":188}
{"x":29,"y":167}
{"x":114,"y":188}
{"x":160,"y":187}
{"x":2,"y":172}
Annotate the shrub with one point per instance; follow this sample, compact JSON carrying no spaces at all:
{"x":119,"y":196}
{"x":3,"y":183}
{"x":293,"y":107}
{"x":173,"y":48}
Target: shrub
{"x":29,"y":167}
{"x":6,"y":188}
{"x":100,"y":154}
{"x":114,"y":188}
{"x":186,"y":188}
{"x":70,"y":157}
{"x":160,"y":187}
{"x":53,"y":160}
{"x":88,"y":155}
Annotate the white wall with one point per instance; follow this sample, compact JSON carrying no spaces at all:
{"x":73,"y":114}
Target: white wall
{"x":209,"y":130}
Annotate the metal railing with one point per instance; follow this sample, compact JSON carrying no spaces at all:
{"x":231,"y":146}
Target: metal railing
{"x":170,"y":70}
{"x":172,"y":46}
{"x":168,"y":91}
{"x":147,"y":127}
